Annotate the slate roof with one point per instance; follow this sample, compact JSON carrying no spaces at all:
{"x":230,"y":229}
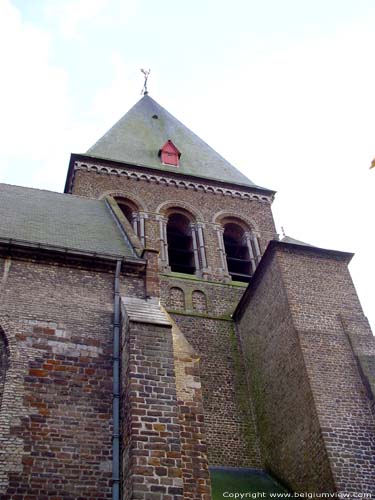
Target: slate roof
{"x":139,"y":135}
{"x":48,"y":218}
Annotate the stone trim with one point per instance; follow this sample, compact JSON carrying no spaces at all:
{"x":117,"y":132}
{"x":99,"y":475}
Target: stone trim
{"x":169,"y":181}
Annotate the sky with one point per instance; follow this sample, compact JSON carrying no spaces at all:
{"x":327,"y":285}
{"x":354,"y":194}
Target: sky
{"x":284,"y":90}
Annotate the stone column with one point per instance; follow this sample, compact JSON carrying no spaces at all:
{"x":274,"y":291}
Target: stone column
{"x":258,"y":255}
{"x":142,"y":232}
{"x":223,"y":257}
{"x":202,"y":249}
{"x":247,"y":239}
{"x":195,"y":248}
{"x":163,"y":241}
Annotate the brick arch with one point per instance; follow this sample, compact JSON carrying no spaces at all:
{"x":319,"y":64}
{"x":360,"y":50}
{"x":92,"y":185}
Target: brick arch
{"x":165,"y":207}
{"x":136,"y":200}
{"x":199,"y":301}
{"x":225,"y":216}
{"x":176,"y":298}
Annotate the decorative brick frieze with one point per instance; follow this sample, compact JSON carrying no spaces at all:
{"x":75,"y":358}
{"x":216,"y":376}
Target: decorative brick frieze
{"x":165,"y":180}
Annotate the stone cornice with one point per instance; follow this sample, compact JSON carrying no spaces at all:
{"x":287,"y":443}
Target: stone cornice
{"x":255,"y":194}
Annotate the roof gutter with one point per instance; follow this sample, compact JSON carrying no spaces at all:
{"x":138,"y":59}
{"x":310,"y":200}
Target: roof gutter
{"x":69,"y":252}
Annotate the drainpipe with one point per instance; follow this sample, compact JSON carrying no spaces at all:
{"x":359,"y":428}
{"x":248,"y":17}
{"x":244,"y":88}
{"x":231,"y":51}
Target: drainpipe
{"x":116,"y":389}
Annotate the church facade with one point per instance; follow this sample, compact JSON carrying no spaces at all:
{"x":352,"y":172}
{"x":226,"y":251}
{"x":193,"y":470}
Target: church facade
{"x":155,"y":331}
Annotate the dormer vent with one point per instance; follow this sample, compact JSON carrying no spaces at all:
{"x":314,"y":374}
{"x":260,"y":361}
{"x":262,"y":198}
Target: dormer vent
{"x":169,"y":154}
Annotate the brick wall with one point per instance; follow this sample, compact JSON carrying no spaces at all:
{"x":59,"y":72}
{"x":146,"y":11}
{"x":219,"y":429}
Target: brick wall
{"x":55,"y":418}
{"x":326,"y":310}
{"x":291,"y":443}
{"x":229,"y":423}
{"x":164,"y":447}
{"x":313,"y":412}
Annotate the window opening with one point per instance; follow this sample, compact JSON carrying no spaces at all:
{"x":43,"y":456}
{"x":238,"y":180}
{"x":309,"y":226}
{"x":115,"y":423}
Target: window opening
{"x":237,"y":252}
{"x":180,"y":244}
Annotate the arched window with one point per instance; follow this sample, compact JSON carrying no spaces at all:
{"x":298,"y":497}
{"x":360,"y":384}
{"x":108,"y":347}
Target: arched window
{"x":237,"y":252}
{"x":180,"y":244}
{"x":134,"y":217}
{"x":4,"y":362}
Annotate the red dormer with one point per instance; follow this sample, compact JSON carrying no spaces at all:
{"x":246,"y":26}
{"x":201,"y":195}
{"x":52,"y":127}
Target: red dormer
{"x":169,"y":154}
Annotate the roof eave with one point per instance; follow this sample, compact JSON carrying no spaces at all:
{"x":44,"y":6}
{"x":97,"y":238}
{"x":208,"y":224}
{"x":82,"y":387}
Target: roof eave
{"x":32,"y":247}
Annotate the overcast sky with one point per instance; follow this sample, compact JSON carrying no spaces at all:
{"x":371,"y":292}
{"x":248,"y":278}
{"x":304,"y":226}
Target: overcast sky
{"x":283,"y":89}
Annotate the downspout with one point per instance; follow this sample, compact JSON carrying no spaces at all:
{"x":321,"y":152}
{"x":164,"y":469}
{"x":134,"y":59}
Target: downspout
{"x":116,"y":388}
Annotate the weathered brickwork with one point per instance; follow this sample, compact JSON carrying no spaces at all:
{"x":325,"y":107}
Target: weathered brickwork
{"x":151,"y":432}
{"x":176,"y":299}
{"x":295,"y":329}
{"x":191,"y":419}
{"x":221,"y":299}
{"x":201,"y":297}
{"x":55,"y":419}
{"x":290,"y":436}
{"x":164,"y":451}
{"x":206,"y":207}
{"x":199,"y":301}
{"x":231,"y":433}
{"x":324,"y":305}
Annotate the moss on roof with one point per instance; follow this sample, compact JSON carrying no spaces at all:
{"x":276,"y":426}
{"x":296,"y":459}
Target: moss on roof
{"x":139,"y":135}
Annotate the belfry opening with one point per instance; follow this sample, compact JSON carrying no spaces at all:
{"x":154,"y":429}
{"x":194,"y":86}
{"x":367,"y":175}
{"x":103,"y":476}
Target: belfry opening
{"x":180,"y":244}
{"x":237,"y":252}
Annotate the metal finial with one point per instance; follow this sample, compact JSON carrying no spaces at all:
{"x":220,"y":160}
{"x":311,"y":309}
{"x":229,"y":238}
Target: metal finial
{"x":146,"y":74}
{"x":282,"y":230}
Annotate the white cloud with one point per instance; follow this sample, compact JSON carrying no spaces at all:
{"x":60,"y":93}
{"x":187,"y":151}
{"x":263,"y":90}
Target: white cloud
{"x":34,"y":98}
{"x":70,"y":14}
{"x":74,"y":16}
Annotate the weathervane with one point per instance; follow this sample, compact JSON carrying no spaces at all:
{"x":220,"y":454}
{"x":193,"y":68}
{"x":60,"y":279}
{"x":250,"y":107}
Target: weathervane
{"x":146,"y":73}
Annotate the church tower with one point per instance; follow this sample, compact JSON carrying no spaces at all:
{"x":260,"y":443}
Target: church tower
{"x":209,"y":226}
{"x":158,"y":340}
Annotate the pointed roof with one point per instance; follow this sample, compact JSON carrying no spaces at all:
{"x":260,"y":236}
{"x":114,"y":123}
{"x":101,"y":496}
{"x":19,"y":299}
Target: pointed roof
{"x":138,"y":136}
